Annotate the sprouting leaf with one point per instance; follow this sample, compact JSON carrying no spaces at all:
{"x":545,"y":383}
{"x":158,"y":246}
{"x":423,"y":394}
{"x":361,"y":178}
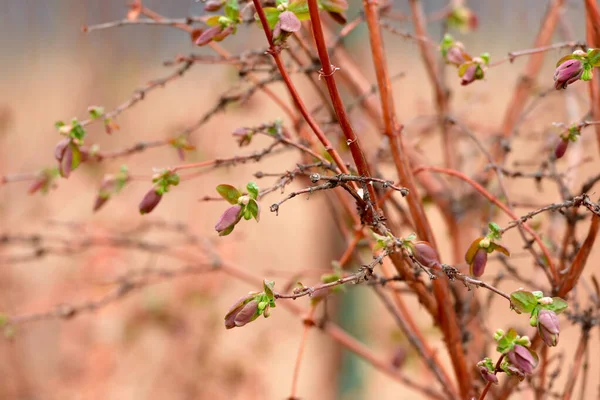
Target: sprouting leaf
{"x":300,"y":8}
{"x":254,"y":209}
{"x":229,"y":193}
{"x":268,"y":288}
{"x":499,"y":248}
{"x":506,"y":342}
{"x":77,"y":131}
{"x":494,"y":229}
{"x":253,"y":189}
{"x":593,"y":57}
{"x":336,"y":6}
{"x":558,"y":305}
{"x":232,"y":10}
{"x":523,"y":301}
{"x":95,"y":112}
{"x":272,"y":15}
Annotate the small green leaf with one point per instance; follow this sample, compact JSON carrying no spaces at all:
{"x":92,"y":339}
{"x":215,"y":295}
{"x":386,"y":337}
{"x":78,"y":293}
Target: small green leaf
{"x":229,"y":193}
{"x":486,"y":58}
{"x":587,"y":74}
{"x":232,"y":10}
{"x":76,"y":156}
{"x":494,"y":228}
{"x":506,"y":342}
{"x":328,"y":278}
{"x":523,"y":301}
{"x":593,"y":57}
{"x":253,"y":190}
{"x":59,"y":124}
{"x":499,"y":248}
{"x":272,"y":15}
{"x":77,"y":131}
{"x":411,"y":237}
{"x":300,"y":8}
{"x":336,"y":6}
{"x":558,"y":305}
{"x":268,"y":288}
{"x":247,"y":214}
{"x":254,"y":209}
{"x":95,"y":112}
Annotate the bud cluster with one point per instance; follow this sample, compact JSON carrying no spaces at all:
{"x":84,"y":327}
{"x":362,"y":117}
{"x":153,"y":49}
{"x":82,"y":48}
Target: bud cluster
{"x":469,"y":68}
{"x":247,"y":308}
{"x":242,"y":205}
{"x":543,"y":312}
{"x":163,"y":180}
{"x":477,"y":254}
{"x":576,"y":66}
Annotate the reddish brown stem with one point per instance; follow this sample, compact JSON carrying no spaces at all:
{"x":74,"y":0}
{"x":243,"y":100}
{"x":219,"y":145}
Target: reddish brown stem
{"x":275,"y":53}
{"x":592,"y":35}
{"x":441,"y":96}
{"x":328,"y":75}
{"x":447,"y":318}
{"x":574,"y":370}
{"x":303,"y":339}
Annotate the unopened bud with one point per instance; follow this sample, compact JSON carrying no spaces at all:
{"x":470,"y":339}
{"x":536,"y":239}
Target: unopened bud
{"x":150,"y":201}
{"x":522,"y":359}
{"x":548,"y":327}
{"x":561,"y":148}
{"x":479,"y":262}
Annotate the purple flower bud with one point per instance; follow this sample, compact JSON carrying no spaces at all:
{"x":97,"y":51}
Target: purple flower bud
{"x":65,"y":153}
{"x":469,"y":75}
{"x":242,"y":315}
{"x":277,"y":30}
{"x":479,"y":262}
{"x":223,"y":34}
{"x":236,"y":308}
{"x":514,"y":371}
{"x":567,"y":73}
{"x":548,"y":327}
{"x":426,"y":255}
{"x":289,"y":22}
{"x":213,"y":5}
{"x":150,"y":201}
{"x":228,"y":219}
{"x":561,"y":148}
{"x":37,"y":184}
{"x":399,"y":357}
{"x":208,"y":35}
{"x":522,"y":359}
{"x":60,"y":148}
{"x":455,"y":55}
{"x":487,"y":375}
{"x":65,"y":165}
{"x":243,"y":135}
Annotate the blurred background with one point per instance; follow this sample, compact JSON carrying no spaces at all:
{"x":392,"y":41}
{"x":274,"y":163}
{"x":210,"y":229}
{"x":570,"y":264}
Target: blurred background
{"x":167,"y":340}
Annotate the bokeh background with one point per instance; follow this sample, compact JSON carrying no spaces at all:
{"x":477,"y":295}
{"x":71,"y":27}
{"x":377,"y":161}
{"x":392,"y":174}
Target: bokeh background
{"x":167,"y":340}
